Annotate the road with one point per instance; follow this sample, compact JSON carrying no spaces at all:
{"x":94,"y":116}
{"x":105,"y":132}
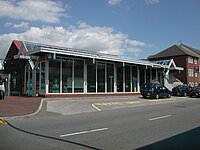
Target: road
{"x":173,"y":125}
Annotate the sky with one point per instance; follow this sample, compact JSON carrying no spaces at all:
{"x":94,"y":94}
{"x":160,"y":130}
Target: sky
{"x":129,"y":28}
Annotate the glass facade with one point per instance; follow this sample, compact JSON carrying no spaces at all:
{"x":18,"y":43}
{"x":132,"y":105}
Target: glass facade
{"x":70,"y":75}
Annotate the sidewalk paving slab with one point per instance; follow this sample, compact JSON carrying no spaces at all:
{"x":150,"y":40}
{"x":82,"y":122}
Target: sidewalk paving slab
{"x":18,"y":105}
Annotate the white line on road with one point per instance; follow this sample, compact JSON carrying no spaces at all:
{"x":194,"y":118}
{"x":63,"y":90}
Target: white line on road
{"x":161,"y":117}
{"x":93,"y":105}
{"x":83,"y":132}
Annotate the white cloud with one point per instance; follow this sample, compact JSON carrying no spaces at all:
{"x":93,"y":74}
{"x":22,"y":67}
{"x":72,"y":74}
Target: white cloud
{"x":152,"y":1}
{"x":81,"y":36}
{"x":23,"y":25}
{"x":32,"y":10}
{"x":114,"y":2}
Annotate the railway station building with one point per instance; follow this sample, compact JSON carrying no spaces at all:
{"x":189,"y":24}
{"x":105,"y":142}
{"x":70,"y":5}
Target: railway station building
{"x":45,"y":70}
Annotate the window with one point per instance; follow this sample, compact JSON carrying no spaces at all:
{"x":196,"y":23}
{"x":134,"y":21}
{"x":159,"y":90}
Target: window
{"x":110,"y":78}
{"x":127,"y":79}
{"x":67,"y":66}
{"x":120,"y":78}
{"x":195,"y":74}
{"x":134,"y":79}
{"x":195,"y":61}
{"x":190,"y":72}
{"x":78,"y":76}
{"x":54,"y":76}
{"x":100,"y":77}
{"x":190,"y":59}
{"x":91,"y":77}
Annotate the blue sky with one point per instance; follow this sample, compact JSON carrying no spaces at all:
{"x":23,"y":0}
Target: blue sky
{"x":132,"y":28}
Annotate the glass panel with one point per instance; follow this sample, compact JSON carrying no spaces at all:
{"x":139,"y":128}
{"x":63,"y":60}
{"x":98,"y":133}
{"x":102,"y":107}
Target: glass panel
{"x":54,"y":76}
{"x":148,"y":80}
{"x":67,"y":75}
{"x":42,"y":90}
{"x":37,"y":79}
{"x":153,"y":75}
{"x":110,"y":78}
{"x":120,"y":79}
{"x":100,"y":77}
{"x":91,"y":78}
{"x":134,"y":79}
{"x":127,"y":79}
{"x":142,"y":77}
{"x":78,"y":76}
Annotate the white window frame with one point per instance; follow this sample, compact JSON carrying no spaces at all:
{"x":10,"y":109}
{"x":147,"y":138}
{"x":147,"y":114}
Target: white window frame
{"x":196,"y":74}
{"x":190,"y":59}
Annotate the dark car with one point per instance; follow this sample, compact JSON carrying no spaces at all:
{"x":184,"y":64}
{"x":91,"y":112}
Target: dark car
{"x":195,"y":92}
{"x":181,"y":90}
{"x":154,"y":90}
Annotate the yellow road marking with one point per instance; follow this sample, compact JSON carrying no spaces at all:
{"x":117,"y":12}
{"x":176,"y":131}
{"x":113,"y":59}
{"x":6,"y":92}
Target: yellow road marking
{"x":114,"y":103}
{"x":165,"y":99}
{"x":2,"y":121}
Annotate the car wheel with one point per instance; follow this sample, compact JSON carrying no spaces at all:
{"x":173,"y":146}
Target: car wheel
{"x":169,"y":95}
{"x":157,"y":96}
{"x":184,"y":94}
{"x":144,"y":96}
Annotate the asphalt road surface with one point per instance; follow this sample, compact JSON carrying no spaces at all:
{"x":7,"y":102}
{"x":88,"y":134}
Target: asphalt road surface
{"x":174,"y":125}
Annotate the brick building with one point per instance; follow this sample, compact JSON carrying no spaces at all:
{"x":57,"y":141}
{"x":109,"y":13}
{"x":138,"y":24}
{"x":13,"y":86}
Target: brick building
{"x":184,"y":56}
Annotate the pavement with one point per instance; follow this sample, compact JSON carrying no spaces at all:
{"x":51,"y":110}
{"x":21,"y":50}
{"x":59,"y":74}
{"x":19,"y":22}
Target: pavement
{"x":18,"y":105}
{"x":15,"y":106}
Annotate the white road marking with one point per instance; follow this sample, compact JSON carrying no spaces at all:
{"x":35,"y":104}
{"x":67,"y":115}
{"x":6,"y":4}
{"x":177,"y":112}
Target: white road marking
{"x":93,"y":105}
{"x":161,"y":117}
{"x":83,"y":132}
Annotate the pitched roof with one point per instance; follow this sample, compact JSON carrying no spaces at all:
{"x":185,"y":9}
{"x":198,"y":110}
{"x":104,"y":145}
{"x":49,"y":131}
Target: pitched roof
{"x":176,"y":50}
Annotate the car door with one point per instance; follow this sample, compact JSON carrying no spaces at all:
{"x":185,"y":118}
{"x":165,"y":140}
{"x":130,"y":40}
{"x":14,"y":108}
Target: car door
{"x":163,"y":91}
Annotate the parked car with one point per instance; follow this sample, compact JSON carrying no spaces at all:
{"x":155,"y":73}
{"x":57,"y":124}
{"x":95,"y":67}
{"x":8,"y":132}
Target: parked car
{"x":181,"y":90}
{"x":155,"y":90}
{"x":195,"y":92}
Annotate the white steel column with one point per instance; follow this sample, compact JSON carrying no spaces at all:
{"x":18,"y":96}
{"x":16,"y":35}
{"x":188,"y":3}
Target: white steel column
{"x":96,"y":78}
{"x":131,"y":77}
{"x":34,"y":82}
{"x":138,"y":79}
{"x":115,"y":78}
{"x":60,"y":75}
{"x":46,"y":76}
{"x":85,"y":77}
{"x":73,"y":75}
{"x":124,"y":77}
{"x":25,"y":77}
{"x":106,"y":78}
{"x":40,"y":64}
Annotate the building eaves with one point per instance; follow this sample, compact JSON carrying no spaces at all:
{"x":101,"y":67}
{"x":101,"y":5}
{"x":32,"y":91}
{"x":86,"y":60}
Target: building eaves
{"x":190,"y":51}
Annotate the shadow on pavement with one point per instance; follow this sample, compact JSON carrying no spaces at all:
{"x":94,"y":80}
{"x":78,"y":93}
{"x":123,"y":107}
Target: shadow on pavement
{"x":54,"y":138}
{"x":189,"y":140}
